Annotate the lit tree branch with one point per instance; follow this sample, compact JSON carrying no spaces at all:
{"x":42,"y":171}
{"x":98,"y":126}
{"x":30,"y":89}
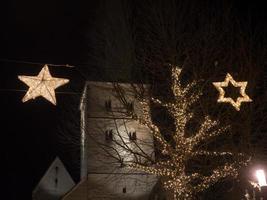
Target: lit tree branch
{"x":173,"y":168}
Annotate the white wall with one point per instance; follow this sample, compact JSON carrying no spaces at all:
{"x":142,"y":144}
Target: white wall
{"x":106,"y":176}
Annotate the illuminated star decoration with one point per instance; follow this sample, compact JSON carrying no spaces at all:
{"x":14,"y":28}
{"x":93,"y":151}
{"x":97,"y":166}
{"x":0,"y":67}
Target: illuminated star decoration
{"x":42,"y":85}
{"x":236,"y":104}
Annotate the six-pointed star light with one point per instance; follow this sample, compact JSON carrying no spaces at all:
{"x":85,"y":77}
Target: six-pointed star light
{"x":42,"y":85}
{"x":236,"y":104}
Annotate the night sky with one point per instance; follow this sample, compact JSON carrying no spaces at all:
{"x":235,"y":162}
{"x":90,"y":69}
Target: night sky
{"x":43,"y":32}
{"x":46,"y":32}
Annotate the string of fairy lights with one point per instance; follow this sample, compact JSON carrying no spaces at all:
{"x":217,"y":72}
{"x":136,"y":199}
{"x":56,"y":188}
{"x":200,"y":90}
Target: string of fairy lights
{"x":173,"y":170}
{"x":44,"y":85}
{"x":173,"y":167}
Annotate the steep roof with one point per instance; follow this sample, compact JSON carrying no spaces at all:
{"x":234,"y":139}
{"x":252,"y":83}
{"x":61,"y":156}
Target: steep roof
{"x":54,"y":184}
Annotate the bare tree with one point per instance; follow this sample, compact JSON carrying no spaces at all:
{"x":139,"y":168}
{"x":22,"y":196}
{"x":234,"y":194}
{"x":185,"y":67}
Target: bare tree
{"x":206,"y":39}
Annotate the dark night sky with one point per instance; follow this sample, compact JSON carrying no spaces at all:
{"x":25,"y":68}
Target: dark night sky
{"x":46,"y":32}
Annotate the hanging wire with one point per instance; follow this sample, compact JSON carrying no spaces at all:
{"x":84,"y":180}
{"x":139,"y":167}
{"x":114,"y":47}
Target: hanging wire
{"x":17,"y":90}
{"x":35,"y":63}
{"x":110,"y":67}
{"x":78,"y":69}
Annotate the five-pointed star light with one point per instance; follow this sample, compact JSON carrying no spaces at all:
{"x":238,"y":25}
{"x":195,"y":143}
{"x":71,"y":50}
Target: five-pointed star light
{"x":42,"y":85}
{"x":236,"y":104}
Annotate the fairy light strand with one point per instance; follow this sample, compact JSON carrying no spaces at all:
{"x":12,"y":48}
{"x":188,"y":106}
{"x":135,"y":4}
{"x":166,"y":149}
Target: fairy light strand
{"x":173,"y":170}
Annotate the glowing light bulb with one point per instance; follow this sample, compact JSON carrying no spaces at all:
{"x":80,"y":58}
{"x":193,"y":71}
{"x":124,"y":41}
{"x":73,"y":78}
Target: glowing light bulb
{"x":261,"y":177}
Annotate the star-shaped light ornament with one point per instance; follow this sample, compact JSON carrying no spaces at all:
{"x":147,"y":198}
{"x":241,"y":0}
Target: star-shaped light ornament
{"x":242,"y":85}
{"x":42,"y":85}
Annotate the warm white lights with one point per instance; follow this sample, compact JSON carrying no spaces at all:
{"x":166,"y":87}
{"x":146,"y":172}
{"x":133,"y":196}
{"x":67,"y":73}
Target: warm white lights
{"x":242,"y":85}
{"x":42,"y":85}
{"x":173,"y":170}
{"x":261,"y":177}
